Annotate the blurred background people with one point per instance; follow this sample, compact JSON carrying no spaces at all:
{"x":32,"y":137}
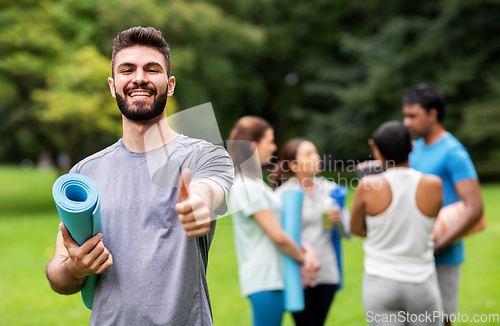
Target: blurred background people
{"x":299,"y":158}
{"x":397,"y":210}
{"x":438,"y":152}
{"x":256,"y":212}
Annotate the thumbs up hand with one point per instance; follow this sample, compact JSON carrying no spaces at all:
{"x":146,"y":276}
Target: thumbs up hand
{"x":185,"y":181}
{"x":194,"y":213}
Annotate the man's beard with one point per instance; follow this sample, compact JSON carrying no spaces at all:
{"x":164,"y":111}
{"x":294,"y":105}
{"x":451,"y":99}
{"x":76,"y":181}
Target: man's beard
{"x":141,"y":113}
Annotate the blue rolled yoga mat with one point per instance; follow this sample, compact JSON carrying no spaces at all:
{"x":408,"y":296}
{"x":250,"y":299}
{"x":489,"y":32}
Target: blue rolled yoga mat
{"x":77,"y":201}
{"x":291,"y":215}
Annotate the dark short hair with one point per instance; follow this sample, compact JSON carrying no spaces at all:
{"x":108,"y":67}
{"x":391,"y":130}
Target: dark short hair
{"x":393,"y":140}
{"x":428,"y":96}
{"x":146,"y":36}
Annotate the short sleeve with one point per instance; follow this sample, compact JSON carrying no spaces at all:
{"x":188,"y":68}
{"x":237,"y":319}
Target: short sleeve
{"x":214,"y":163}
{"x":75,"y":168}
{"x":248,"y":197}
{"x":460,"y":166}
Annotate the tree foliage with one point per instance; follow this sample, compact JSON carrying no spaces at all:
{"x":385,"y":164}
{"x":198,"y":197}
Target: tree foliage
{"x":328,"y":70}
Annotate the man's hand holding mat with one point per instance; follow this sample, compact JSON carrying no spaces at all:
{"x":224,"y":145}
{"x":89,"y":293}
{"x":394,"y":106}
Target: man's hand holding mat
{"x":91,"y":258}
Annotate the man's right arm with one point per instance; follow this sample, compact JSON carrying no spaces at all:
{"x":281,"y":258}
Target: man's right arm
{"x":72,"y":263}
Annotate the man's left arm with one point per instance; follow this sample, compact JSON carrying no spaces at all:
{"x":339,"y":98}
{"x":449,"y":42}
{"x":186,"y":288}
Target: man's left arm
{"x":467,"y":185}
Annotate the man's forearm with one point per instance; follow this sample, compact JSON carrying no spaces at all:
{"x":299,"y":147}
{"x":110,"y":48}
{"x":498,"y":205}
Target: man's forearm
{"x":469,"y":192}
{"x":61,"y":280}
{"x":470,"y":216}
{"x":211,"y":193}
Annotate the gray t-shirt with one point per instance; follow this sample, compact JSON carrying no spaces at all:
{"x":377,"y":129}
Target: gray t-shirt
{"x":158,"y":273}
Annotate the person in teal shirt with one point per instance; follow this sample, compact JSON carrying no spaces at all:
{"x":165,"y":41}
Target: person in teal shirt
{"x":437,"y":152}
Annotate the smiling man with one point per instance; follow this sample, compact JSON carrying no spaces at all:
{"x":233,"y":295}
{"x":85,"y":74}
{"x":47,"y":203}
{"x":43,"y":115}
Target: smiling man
{"x":153,"y":253}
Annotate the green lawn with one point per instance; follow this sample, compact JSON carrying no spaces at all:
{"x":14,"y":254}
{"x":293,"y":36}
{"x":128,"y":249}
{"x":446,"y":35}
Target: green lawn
{"x":29,"y":223}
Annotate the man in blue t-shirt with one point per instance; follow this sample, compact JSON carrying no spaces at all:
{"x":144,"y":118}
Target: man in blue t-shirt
{"x":437,"y":152}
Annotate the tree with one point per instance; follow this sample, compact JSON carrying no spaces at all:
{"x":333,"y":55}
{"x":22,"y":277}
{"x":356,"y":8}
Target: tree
{"x":58,"y":67}
{"x":328,"y":70}
{"x":395,"y":45}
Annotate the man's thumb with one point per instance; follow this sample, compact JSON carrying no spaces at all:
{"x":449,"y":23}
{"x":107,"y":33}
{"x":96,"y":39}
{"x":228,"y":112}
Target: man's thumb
{"x":185,"y":180}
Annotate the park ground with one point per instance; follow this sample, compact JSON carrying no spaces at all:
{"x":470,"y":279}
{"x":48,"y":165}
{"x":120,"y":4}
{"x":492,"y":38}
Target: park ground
{"x":29,"y":223}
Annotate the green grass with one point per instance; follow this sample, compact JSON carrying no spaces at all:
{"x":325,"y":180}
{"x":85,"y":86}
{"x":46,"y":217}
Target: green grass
{"x":29,"y":223}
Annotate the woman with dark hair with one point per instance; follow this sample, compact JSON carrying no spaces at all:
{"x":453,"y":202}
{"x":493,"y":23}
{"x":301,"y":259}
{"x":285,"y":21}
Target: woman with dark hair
{"x":256,"y":213}
{"x":299,"y":159}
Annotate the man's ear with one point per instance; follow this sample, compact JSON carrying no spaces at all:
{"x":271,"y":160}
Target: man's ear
{"x":171,"y":86}
{"x":433,"y":114}
{"x":111,"y":83}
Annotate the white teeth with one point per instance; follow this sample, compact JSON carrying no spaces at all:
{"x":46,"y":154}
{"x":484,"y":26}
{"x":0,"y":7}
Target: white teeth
{"x":139,"y":94}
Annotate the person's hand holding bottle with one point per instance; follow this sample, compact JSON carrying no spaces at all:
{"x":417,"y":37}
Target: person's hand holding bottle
{"x":332,"y":214}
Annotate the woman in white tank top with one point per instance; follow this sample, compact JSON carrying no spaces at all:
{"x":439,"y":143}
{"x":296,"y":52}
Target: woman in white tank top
{"x":396,"y":211}
{"x":399,"y":243}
